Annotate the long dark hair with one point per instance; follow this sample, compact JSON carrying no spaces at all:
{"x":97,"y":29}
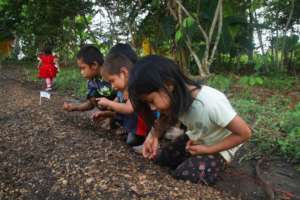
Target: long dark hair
{"x":151,"y":74}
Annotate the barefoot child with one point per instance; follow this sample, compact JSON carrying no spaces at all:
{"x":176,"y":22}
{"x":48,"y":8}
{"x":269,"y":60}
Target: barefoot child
{"x":214,"y":130}
{"x":90,"y":60}
{"x":48,"y":67}
{"x":117,"y":66}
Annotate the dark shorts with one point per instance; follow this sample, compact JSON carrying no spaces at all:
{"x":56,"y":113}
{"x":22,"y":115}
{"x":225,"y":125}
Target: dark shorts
{"x":197,"y":169}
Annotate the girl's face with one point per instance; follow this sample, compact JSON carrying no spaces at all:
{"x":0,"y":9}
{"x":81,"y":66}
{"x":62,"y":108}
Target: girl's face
{"x":158,"y":101}
{"x":117,"y":81}
{"x":87,"y":71}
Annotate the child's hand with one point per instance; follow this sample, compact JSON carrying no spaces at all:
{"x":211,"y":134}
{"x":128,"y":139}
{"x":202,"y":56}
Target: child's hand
{"x":103,"y":102}
{"x":67,"y":106}
{"x":150,"y":147}
{"x":196,"y":149}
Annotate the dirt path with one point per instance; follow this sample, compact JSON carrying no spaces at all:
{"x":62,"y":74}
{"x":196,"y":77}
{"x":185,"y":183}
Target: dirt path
{"x":46,"y":153}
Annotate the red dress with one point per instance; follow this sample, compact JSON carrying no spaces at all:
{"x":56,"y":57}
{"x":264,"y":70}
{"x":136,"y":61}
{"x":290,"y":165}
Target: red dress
{"x":47,"y":68}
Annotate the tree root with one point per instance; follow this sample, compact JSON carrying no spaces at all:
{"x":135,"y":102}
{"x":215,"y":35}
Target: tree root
{"x":267,"y":187}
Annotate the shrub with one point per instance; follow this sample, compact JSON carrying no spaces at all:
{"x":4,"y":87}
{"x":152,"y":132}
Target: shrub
{"x":220,"y":82}
{"x":290,"y":145}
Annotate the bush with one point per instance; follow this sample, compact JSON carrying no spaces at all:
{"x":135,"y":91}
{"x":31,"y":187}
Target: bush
{"x":290,"y":145}
{"x":70,"y":79}
{"x":220,"y":82}
{"x":291,"y":120}
{"x":278,"y":82}
{"x":251,"y":80}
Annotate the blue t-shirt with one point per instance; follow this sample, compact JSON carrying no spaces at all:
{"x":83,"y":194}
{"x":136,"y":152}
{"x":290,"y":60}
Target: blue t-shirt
{"x":99,"y":88}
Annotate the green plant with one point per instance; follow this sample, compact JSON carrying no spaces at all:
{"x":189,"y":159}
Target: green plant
{"x":290,"y":145}
{"x":69,"y":79}
{"x":248,"y":109}
{"x":278,"y":82}
{"x":220,"y":82}
{"x":291,"y":120}
{"x":264,"y":119}
{"x":251,"y":80}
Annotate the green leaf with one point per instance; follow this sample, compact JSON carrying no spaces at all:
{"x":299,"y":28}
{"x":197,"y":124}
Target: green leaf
{"x":178,"y":35}
{"x":188,"y":22}
{"x":251,"y":81}
{"x":259,"y":80}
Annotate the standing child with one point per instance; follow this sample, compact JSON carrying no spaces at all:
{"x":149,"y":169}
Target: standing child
{"x":214,"y":130}
{"x":117,"y":66}
{"x":48,"y":67}
{"x":90,"y":61}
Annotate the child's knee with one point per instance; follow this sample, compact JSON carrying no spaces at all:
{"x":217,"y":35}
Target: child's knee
{"x":200,"y":169}
{"x":195,"y":176}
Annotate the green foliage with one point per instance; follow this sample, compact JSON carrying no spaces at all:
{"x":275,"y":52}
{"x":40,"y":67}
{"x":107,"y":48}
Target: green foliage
{"x":70,"y":80}
{"x":188,"y":22}
{"x":246,"y":108}
{"x":37,"y":23}
{"x":296,"y":61}
{"x":67,"y":25}
{"x":220,"y":82}
{"x":178,"y":36}
{"x":268,"y":119}
{"x":290,"y":145}
{"x":262,"y":62}
{"x":251,"y":80}
{"x":279,"y":82}
{"x":291,"y":120}
{"x":31,"y":74}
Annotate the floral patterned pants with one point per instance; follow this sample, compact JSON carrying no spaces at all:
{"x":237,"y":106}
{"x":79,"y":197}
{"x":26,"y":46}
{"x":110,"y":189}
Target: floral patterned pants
{"x":195,"y":168}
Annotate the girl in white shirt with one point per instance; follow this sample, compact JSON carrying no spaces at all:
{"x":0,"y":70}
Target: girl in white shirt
{"x":214,"y":130}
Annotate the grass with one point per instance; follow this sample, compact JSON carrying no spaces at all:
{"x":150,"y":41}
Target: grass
{"x":68,"y":80}
{"x":276,"y":127}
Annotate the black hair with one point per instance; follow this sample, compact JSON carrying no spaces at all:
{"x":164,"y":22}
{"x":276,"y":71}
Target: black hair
{"x":151,"y":74}
{"x":126,"y":50}
{"x":90,"y":54}
{"x":47,"y":50}
{"x":120,"y":55}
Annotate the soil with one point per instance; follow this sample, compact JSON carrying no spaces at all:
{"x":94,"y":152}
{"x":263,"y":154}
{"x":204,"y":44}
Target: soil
{"x":47,"y":153}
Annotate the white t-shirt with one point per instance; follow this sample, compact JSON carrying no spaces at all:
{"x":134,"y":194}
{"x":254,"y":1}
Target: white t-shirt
{"x":207,"y":118}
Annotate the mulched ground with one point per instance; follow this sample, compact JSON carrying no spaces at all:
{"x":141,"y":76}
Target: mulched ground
{"x":46,"y":153}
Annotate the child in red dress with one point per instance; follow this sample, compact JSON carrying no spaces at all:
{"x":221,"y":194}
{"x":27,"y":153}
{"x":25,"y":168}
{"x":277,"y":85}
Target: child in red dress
{"x":48,"y":67}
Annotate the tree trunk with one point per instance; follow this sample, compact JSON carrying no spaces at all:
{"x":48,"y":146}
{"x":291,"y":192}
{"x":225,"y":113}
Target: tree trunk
{"x":210,"y":49}
{"x":259,"y":34}
{"x":285,"y":34}
{"x":251,"y":31}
